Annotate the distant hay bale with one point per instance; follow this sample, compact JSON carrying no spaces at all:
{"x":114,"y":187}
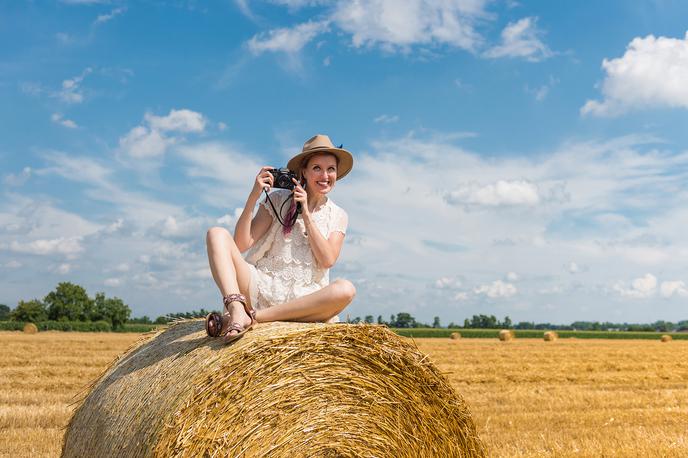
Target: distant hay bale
{"x":283,"y":390}
{"x":30,"y":328}
{"x":666,"y":338}
{"x":455,"y":335}
{"x":506,"y":334}
{"x":550,"y":336}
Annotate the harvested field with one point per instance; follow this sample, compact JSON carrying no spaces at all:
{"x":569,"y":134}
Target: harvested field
{"x":528,"y":398}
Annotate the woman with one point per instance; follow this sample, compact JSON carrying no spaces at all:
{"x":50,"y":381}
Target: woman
{"x":285,"y":276}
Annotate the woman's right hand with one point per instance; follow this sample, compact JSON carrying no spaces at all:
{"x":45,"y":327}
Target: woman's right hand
{"x":264,"y":180}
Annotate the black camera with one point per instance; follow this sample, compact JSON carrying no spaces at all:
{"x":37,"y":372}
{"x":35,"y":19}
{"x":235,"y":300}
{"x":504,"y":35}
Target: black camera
{"x":282,"y":178}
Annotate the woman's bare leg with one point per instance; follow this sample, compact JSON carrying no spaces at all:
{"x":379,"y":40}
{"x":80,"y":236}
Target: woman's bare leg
{"x":230,"y":271}
{"x":318,"y":306}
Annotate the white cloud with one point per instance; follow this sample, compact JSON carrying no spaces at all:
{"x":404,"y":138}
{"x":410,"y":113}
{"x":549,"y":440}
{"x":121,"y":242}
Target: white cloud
{"x":652,"y":73}
{"x":447,"y":283}
{"x":143,"y":142}
{"x":113,"y":282}
{"x":296,"y":4}
{"x":395,"y":25}
{"x":152,"y":140}
{"x":12,"y":264}
{"x":461,"y":296}
{"x":17,"y":180}
{"x":640,"y":288}
{"x":288,"y":40}
{"x":540,"y":93}
{"x":496,"y":289}
{"x":76,"y":168}
{"x":71,"y":88}
{"x":386,"y":119}
{"x":103,"y":18}
{"x":230,"y":220}
{"x":327,"y":61}
{"x":573,"y":267}
{"x":521,"y":39}
{"x":177,"y":121}
{"x":673,"y":288}
{"x":65,"y":246}
{"x":223,"y":163}
{"x":512,"y":276}
{"x":517,"y":192}
{"x":63,"y":269}
{"x":57,"y":118}
{"x":389,"y":24}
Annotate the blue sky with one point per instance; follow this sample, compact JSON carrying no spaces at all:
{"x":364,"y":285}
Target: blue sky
{"x":512,"y":158}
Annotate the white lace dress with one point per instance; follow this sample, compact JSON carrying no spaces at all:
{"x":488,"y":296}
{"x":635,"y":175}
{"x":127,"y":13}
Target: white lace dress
{"x":283,"y":267}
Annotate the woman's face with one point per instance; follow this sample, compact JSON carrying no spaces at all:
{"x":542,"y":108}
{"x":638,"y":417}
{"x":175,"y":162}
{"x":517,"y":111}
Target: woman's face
{"x":320,"y":173}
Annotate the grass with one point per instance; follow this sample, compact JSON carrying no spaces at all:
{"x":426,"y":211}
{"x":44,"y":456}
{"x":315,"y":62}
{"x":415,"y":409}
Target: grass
{"x":585,"y":397}
{"x":535,"y":334}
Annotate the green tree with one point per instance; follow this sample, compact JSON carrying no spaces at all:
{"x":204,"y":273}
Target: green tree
{"x":161,"y":320}
{"x":507,"y":322}
{"x":69,"y":302}
{"x":145,"y":319}
{"x":436,"y":322}
{"x":405,"y":320}
{"x":380,"y":320}
{"x":33,"y":311}
{"x":112,"y":309}
{"x":4,"y":312}
{"x":369,"y":319}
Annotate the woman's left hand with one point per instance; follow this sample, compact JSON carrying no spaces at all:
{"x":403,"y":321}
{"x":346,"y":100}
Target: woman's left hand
{"x":300,"y":196}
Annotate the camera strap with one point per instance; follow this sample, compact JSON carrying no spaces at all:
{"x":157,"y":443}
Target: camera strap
{"x":278,"y":214}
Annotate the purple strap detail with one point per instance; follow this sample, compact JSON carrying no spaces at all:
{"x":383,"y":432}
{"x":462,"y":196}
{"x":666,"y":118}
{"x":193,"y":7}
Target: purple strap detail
{"x":228,"y":299}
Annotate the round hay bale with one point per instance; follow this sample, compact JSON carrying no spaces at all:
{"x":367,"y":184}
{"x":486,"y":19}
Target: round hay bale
{"x":455,"y":335}
{"x":666,"y":338}
{"x":283,"y":390}
{"x":30,"y":328}
{"x":550,"y":336}
{"x":506,"y":335}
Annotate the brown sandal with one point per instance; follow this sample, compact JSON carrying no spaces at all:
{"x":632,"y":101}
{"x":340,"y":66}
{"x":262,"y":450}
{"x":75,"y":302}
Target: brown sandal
{"x":241,"y":330}
{"x":213,"y":324}
{"x":214,"y":320}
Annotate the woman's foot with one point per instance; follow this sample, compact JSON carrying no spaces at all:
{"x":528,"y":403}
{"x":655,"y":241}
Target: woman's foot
{"x":238,"y":319}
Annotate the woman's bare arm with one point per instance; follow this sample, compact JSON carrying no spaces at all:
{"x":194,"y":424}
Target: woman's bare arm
{"x":325,"y":250}
{"x":248,"y":229}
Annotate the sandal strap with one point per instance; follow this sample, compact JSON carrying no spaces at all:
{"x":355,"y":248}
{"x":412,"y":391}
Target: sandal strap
{"x":235,"y":327}
{"x":228,"y":299}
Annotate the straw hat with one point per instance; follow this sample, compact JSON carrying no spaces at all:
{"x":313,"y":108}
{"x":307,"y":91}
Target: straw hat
{"x":322,"y":144}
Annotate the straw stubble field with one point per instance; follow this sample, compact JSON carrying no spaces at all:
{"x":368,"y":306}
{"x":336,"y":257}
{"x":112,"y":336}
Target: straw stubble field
{"x":528,"y":397}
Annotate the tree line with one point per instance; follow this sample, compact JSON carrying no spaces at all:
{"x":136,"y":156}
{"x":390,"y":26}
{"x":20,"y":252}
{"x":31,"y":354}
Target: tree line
{"x":69,"y":302}
{"x":406,"y":320}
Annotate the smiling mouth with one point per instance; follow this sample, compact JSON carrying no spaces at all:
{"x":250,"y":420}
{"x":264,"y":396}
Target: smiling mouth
{"x":323,"y":183}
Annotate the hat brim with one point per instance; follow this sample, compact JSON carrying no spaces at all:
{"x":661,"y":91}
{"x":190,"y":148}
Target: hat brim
{"x":344,"y":166}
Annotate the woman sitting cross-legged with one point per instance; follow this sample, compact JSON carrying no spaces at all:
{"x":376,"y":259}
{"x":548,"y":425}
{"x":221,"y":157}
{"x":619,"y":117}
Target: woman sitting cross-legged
{"x":285,"y":276}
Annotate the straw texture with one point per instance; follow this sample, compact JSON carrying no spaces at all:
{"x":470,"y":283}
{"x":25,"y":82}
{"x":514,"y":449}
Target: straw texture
{"x":666,"y":338}
{"x":30,"y":328}
{"x":455,"y":335}
{"x":283,"y":390}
